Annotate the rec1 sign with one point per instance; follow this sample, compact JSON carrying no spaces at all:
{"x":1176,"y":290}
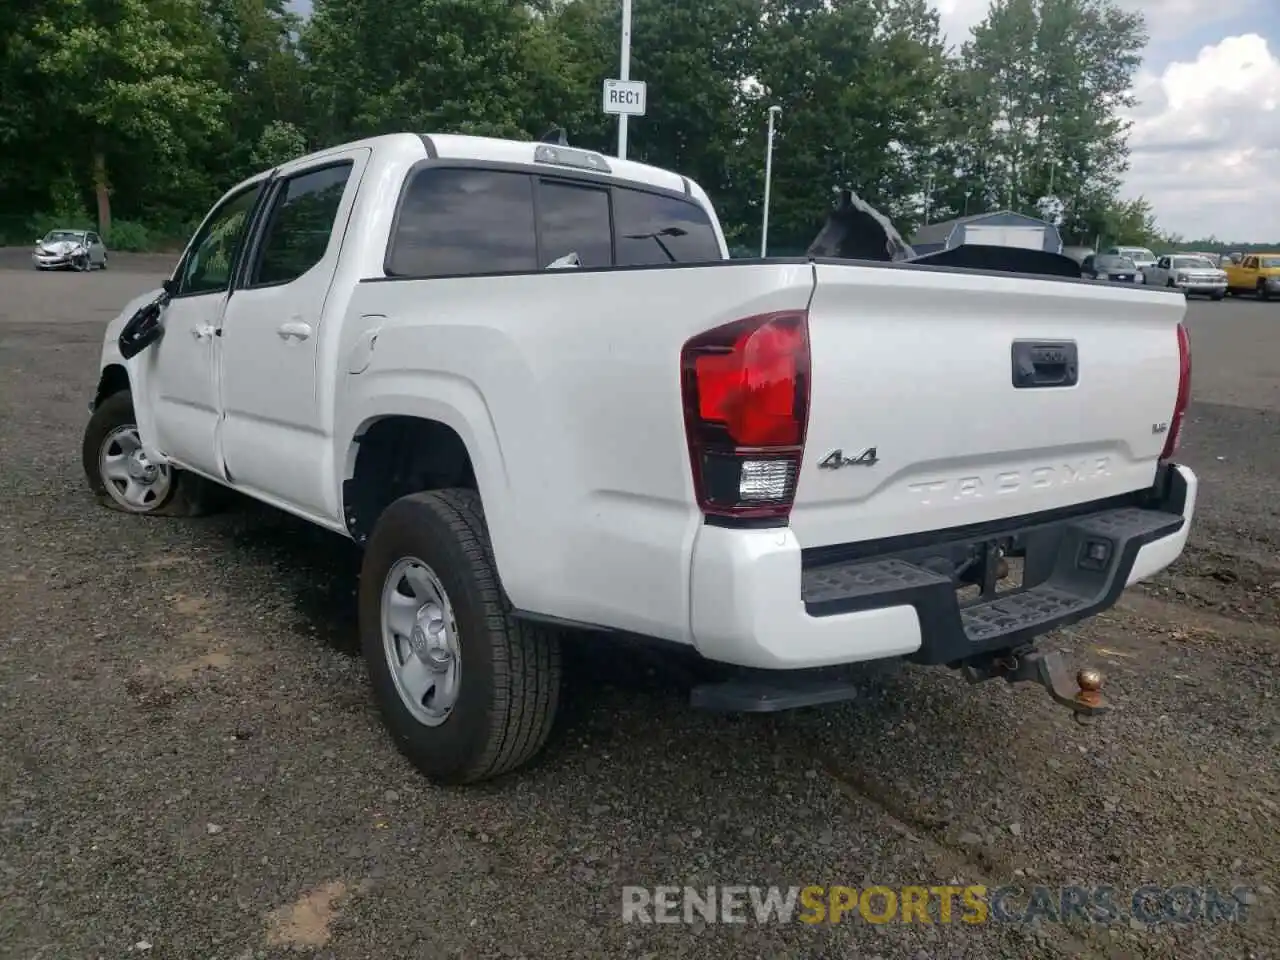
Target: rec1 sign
{"x":624,"y":97}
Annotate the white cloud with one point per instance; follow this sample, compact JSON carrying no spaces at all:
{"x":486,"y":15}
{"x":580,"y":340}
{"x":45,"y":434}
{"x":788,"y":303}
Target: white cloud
{"x":1166,"y":20}
{"x":1206,"y":142}
{"x":1206,"y":137}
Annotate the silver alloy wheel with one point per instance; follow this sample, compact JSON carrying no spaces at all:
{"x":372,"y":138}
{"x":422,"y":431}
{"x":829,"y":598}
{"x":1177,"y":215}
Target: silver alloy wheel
{"x":131,"y":479}
{"x":420,"y":641}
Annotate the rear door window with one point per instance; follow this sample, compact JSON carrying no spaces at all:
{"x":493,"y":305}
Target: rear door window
{"x":458,"y":222}
{"x":654,"y":228}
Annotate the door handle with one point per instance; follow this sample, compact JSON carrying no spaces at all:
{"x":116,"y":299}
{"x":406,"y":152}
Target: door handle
{"x":294,"y":328}
{"x":202,"y":332}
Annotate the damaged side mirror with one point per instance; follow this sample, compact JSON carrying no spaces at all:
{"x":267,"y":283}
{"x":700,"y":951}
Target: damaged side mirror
{"x":144,"y":327}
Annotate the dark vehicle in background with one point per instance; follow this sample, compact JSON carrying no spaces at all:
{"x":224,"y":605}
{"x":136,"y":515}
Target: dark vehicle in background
{"x":1111,"y":267}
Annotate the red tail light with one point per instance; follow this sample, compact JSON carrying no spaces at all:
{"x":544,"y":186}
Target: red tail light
{"x":1184,"y":395}
{"x":746,"y":406}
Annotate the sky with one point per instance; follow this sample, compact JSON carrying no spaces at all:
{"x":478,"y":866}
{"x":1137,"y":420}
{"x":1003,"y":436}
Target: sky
{"x":1205,"y":143}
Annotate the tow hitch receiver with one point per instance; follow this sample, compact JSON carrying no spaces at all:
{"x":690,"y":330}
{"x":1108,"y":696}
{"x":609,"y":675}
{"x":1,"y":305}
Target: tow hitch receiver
{"x":1083,"y":697}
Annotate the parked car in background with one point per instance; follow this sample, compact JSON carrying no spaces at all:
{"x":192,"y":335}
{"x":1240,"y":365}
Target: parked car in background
{"x":1078,"y":254}
{"x":1256,"y":273}
{"x":78,"y":249}
{"x":1188,"y":273}
{"x":1109,"y":266}
{"x":1141,"y":257}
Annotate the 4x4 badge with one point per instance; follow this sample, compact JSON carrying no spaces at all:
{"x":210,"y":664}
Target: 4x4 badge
{"x":836,"y":459}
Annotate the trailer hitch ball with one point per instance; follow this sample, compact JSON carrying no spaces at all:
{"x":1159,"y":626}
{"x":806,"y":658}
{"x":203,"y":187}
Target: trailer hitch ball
{"x":1048,"y":669}
{"x":1089,"y":680}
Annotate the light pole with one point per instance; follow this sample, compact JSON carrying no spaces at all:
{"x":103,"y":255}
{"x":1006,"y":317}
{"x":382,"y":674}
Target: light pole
{"x":768,"y":177}
{"x":624,"y":74}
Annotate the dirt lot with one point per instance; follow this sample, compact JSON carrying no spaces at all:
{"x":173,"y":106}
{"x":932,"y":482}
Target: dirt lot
{"x":190,"y":765}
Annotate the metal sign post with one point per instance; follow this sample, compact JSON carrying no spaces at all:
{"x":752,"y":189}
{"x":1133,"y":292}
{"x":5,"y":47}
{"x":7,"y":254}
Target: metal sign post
{"x":624,"y":74}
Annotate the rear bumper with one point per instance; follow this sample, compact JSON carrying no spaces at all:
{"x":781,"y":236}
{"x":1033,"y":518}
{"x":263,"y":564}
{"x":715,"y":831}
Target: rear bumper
{"x":758,"y":600}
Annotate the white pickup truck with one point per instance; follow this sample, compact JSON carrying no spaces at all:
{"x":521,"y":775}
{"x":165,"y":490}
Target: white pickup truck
{"x":529,"y":382}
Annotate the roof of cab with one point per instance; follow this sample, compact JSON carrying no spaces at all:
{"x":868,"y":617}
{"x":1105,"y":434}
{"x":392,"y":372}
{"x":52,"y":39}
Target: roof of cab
{"x":454,"y":146}
{"x":461,"y":147}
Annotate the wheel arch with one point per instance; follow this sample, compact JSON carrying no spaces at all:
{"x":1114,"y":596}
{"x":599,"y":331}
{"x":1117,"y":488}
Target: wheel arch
{"x":412,"y":445}
{"x":113,"y":379}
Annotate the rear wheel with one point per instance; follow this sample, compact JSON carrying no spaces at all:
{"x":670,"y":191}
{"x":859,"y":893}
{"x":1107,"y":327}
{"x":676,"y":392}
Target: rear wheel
{"x":1263,"y":292}
{"x":121,"y":476}
{"x":467,"y":691}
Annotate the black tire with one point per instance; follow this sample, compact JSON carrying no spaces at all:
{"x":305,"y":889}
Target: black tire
{"x":1263,"y":292}
{"x":510,"y":675}
{"x":1216,"y":296}
{"x":188,"y":494}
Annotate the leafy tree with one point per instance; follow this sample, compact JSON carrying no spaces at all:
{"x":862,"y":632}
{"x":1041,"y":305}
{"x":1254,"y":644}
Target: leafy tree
{"x":695,"y":59}
{"x":127,"y":79}
{"x":1038,"y":89}
{"x":278,"y":143}
{"x":463,"y":66}
{"x":854,"y":79}
{"x":257,"y":67}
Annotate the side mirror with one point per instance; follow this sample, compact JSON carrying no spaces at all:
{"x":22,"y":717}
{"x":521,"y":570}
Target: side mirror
{"x":170,"y":286}
{"x":143,"y":329}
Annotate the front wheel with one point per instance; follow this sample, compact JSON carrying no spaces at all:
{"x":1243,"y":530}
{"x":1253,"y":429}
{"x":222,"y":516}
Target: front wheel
{"x":121,"y":476}
{"x":1263,"y":292}
{"x":467,"y":691}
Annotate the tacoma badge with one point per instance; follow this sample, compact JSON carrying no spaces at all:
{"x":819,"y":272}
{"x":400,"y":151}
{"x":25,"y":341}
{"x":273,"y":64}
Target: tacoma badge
{"x":836,"y":459}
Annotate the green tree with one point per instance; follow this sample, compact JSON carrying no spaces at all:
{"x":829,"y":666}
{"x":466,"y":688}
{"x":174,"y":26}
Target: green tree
{"x":257,"y":66}
{"x":856,"y":80}
{"x":1036,"y":100}
{"x":127,"y":81}
{"x":460,"y":66}
{"x":695,"y":59}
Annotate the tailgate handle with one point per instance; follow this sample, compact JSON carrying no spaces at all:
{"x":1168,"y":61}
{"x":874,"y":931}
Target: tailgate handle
{"x":1045,"y":363}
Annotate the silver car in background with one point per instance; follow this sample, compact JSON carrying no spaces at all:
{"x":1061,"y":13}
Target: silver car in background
{"x":77,"y":249}
{"x":1190,"y":274}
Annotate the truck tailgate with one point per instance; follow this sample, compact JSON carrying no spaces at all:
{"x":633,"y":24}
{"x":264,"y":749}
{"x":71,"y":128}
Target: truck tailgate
{"x":919,"y":364}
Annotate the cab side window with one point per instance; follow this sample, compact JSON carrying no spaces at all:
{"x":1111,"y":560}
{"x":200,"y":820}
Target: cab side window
{"x":207,"y":267}
{"x":1251,"y":263}
{"x":303,"y":211}
{"x":463,"y":222}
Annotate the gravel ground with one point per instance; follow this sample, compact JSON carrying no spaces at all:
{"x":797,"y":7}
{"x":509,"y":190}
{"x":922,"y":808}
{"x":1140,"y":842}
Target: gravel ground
{"x":190,"y":765}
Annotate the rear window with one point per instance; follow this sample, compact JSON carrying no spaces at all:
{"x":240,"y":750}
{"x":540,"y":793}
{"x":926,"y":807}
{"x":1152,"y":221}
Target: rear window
{"x":457,"y":222}
{"x":574,"y":219}
{"x":654,"y":228}
{"x":1116,"y":263}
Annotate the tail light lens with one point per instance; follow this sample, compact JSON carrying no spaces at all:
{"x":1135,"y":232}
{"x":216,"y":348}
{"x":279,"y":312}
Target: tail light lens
{"x":1184,"y":395}
{"x":745,"y":387}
